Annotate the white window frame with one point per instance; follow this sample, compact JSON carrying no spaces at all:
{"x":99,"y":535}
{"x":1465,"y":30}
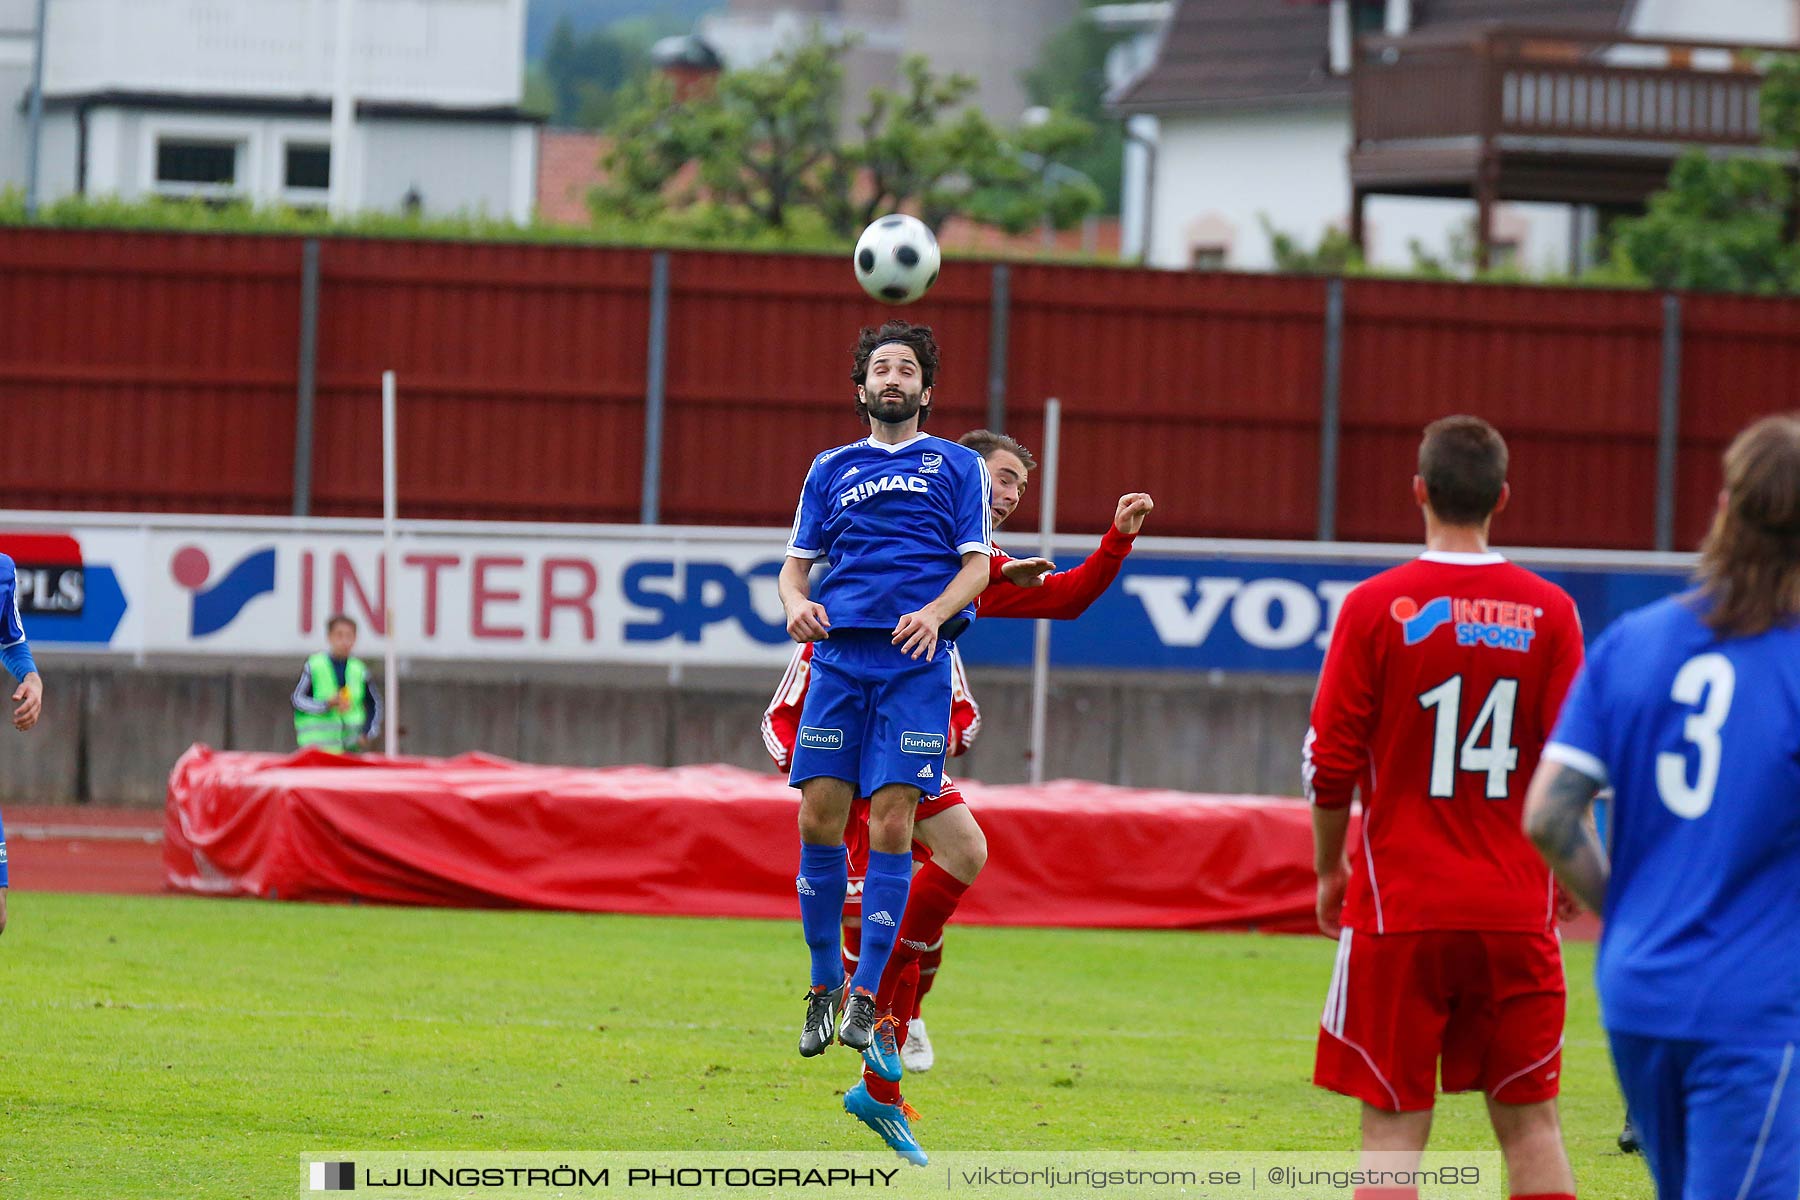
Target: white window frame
{"x":283,"y":134}
{"x":247,"y":135}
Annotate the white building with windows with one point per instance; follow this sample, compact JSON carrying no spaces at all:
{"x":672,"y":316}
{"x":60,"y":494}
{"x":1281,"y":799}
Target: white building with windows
{"x":1242,"y":121}
{"x":232,"y":99}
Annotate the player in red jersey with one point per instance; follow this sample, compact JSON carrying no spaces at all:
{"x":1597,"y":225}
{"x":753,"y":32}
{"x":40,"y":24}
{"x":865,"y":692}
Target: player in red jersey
{"x":949,"y":844}
{"x":1441,"y":685}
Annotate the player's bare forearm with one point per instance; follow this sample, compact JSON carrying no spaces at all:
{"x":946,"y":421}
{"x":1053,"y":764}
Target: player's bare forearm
{"x":916,"y":632}
{"x":806,"y":621}
{"x":1556,"y":820}
{"x":970,"y":582}
{"x":1331,"y":827}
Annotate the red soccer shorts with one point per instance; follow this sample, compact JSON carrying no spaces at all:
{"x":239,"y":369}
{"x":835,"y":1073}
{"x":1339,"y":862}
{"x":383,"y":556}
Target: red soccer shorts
{"x":856,"y":838}
{"x":1489,"y":1005}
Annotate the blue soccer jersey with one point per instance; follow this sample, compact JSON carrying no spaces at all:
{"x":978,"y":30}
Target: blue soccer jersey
{"x":12,"y":630}
{"x":1699,"y":737}
{"x":15,"y":653}
{"x":893,"y":523}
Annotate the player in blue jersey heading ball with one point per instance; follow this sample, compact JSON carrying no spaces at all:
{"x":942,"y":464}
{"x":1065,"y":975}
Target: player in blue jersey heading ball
{"x":1690,"y":710}
{"x":901,"y":519}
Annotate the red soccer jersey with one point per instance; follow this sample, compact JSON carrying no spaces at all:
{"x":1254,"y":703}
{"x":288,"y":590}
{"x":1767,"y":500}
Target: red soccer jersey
{"x":1064,"y":595}
{"x":1440,"y":688}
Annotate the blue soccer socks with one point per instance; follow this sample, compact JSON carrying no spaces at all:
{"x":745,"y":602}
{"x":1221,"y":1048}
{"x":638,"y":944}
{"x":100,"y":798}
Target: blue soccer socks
{"x":884,"y":902}
{"x":824,"y":876}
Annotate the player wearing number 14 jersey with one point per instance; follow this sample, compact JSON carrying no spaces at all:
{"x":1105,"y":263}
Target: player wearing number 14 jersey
{"x":1441,"y":685}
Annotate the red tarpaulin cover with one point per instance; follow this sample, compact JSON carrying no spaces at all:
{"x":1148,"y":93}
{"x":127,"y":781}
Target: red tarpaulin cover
{"x":703,"y":841}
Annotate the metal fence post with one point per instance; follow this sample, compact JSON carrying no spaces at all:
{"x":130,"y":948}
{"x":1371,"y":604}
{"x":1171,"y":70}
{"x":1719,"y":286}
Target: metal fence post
{"x":999,"y":331}
{"x":304,"y":405}
{"x":1331,"y":409}
{"x":1668,"y":426}
{"x":655,"y":387}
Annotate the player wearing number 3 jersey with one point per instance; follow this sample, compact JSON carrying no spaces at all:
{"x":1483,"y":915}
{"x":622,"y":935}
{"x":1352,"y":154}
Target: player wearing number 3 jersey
{"x":1441,"y":685}
{"x":1690,"y":710}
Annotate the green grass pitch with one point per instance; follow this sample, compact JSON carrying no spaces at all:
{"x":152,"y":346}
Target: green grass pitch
{"x":164,"y":1046}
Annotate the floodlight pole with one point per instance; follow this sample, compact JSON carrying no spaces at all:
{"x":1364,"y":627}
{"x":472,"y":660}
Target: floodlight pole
{"x":389,"y":566}
{"x":1040,"y":665}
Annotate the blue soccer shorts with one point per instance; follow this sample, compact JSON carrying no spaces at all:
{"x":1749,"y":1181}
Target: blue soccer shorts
{"x":874,"y":716}
{"x":1715,"y":1118}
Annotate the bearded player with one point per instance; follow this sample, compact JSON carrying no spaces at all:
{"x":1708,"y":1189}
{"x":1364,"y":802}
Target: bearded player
{"x":902,"y":519}
{"x":1440,"y":688}
{"x":948,"y":842}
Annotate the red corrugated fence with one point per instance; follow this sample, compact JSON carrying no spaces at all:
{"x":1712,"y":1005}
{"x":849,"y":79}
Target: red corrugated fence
{"x":159,"y":372}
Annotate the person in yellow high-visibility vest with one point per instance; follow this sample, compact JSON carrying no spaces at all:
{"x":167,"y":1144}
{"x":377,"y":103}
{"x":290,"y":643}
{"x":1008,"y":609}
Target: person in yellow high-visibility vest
{"x":336,"y":706}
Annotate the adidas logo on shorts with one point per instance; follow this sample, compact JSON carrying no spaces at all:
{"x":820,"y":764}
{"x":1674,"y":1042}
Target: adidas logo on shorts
{"x":882,"y":918}
{"x":926,"y":772}
{"x":804,"y":888}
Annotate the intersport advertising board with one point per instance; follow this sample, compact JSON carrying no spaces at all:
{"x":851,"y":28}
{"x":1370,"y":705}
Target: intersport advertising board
{"x":248,"y":587}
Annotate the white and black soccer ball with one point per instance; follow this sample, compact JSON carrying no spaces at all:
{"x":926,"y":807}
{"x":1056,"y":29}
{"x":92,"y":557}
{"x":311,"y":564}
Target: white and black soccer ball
{"x":897,"y":259}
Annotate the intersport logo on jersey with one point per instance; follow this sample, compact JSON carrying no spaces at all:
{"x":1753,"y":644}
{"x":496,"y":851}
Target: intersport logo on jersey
{"x":1501,"y":624}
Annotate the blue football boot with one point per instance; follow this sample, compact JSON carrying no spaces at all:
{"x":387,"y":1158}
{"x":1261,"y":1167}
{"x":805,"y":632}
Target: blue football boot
{"x":887,"y":1120}
{"x":883,"y":1052}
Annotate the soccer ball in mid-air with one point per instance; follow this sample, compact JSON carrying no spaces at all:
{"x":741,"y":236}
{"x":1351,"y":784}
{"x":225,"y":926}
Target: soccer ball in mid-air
{"x":897,"y":259}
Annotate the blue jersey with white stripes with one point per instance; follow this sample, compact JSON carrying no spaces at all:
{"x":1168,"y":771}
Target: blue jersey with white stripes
{"x":893,"y":523}
{"x":1699,"y":737}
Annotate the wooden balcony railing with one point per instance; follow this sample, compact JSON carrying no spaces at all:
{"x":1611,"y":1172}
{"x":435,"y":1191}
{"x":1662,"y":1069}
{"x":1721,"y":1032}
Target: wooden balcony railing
{"x":1540,"y":83}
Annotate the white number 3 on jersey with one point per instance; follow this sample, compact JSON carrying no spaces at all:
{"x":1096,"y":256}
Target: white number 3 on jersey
{"x":1712,"y":678}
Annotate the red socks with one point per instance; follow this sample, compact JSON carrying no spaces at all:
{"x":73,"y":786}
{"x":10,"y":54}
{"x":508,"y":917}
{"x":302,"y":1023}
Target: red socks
{"x":934,"y":897}
{"x":928,"y":969}
{"x":880,"y":1090}
{"x":852,"y":945}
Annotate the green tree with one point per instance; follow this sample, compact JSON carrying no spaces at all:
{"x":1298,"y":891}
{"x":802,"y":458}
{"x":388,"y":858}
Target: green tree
{"x":1725,"y":224}
{"x":1334,"y":254}
{"x":1070,"y":76}
{"x":581,"y":75}
{"x":762,"y":153}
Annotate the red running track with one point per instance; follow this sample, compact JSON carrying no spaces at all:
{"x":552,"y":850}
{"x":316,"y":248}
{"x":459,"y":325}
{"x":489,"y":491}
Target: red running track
{"x":116,"y":851}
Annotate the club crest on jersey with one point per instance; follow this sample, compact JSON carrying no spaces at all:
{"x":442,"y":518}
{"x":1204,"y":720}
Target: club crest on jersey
{"x":1500,"y":624}
{"x":929,"y":463}
{"x":921,"y":743}
{"x":887,"y":483}
{"x":814,"y":738}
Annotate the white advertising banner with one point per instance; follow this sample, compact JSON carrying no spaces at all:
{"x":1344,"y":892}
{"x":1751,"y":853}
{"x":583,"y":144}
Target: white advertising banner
{"x":665,"y":594}
{"x":265,"y":587}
